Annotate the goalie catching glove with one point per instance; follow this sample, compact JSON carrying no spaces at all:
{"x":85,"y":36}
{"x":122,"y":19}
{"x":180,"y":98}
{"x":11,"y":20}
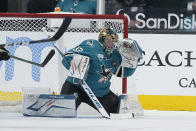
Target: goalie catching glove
{"x":130,"y":52}
{"x":4,"y":54}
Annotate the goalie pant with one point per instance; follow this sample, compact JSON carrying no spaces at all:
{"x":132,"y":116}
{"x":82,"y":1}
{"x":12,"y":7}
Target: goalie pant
{"x":109,"y":101}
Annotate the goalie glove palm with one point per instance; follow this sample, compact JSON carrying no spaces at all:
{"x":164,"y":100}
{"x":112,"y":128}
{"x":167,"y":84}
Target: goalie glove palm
{"x":4,"y":54}
{"x":130,"y":52}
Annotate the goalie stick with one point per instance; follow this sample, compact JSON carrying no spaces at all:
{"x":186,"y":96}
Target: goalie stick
{"x":49,"y":36}
{"x":94,"y":99}
{"x":46,"y":60}
{"x":58,"y":34}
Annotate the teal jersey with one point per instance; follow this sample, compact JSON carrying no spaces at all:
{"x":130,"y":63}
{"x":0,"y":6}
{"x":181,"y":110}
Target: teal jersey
{"x":101,"y":67}
{"x":78,"y":6}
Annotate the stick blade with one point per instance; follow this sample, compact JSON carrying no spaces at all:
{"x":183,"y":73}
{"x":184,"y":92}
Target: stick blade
{"x":58,"y":34}
{"x":48,"y":58}
{"x":62,"y":29}
{"x":116,"y":116}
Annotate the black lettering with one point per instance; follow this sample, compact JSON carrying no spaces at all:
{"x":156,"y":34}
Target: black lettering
{"x":167,"y":58}
{"x":189,"y":58}
{"x":157,"y":58}
{"x":181,"y":82}
{"x":192,"y":83}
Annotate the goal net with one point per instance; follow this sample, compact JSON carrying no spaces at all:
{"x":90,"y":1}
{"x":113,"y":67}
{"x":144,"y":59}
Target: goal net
{"x":16,"y":75}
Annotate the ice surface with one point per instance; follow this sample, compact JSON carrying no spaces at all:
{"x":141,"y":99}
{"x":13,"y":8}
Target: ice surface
{"x":152,"y":121}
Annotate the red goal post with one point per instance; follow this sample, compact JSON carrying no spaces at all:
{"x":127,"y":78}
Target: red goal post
{"x":15,"y":25}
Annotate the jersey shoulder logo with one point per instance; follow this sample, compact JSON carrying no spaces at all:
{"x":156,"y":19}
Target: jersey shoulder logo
{"x":90,"y":42}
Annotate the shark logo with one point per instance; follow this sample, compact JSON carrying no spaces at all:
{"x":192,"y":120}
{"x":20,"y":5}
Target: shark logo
{"x":106,"y":74}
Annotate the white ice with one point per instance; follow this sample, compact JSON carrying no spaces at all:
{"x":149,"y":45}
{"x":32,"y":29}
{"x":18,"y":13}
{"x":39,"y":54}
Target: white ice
{"x":151,"y":121}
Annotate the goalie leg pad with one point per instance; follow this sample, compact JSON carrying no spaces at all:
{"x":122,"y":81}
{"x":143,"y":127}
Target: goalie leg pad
{"x":45,"y":105}
{"x":129,"y":104}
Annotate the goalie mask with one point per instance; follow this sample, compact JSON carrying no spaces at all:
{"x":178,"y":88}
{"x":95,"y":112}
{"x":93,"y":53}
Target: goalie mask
{"x":107,"y":39}
{"x":129,"y":49}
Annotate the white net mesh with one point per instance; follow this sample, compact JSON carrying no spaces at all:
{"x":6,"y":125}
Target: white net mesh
{"x":15,"y":75}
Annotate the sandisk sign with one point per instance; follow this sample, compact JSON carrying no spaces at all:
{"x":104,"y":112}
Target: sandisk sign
{"x":156,"y":23}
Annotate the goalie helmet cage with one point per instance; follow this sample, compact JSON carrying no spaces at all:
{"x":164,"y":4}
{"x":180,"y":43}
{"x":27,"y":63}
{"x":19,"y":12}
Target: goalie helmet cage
{"x":15,"y":27}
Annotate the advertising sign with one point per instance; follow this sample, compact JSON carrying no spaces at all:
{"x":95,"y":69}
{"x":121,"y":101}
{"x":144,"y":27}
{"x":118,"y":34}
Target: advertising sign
{"x":145,"y":16}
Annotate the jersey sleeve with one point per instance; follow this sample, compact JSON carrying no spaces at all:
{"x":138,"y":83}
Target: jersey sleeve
{"x":125,"y":71}
{"x":66,"y":61}
{"x":128,"y":71}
